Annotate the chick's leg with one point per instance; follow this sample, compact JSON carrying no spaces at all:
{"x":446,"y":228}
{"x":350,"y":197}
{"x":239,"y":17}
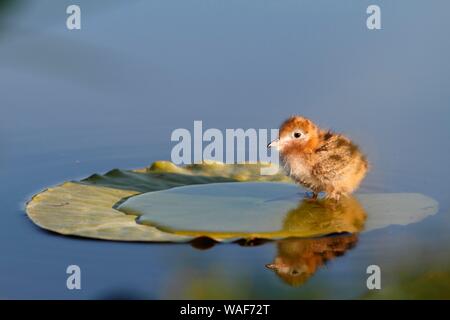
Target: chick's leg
{"x":333,"y":196}
{"x":312,"y":196}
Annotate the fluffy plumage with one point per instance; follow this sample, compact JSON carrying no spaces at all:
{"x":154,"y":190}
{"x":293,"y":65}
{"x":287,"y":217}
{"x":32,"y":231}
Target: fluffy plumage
{"x":320,"y":160}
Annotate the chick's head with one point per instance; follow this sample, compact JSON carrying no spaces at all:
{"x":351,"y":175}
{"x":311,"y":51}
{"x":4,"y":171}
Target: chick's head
{"x":297,"y":134}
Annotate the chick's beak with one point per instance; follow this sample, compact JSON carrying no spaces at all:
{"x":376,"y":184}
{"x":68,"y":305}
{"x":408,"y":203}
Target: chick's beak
{"x":273,"y":144}
{"x":271,"y":266}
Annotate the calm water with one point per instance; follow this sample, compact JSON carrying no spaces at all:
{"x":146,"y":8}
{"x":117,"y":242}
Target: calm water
{"x":75,"y":103}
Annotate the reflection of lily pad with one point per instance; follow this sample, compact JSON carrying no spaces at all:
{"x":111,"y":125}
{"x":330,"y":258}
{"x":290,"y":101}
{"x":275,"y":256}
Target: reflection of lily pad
{"x":269,"y":210}
{"x":89,"y":208}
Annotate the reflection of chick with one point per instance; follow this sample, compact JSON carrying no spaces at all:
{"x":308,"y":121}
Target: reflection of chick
{"x":298,"y":259}
{"x":320,"y":160}
{"x":326,"y":217}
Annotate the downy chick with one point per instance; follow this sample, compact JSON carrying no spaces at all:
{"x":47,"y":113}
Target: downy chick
{"x":320,"y":160}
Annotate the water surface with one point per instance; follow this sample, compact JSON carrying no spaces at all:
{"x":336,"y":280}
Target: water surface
{"x":109,"y":96}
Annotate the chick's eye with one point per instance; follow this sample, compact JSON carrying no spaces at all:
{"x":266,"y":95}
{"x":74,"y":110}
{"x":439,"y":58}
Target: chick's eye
{"x":297,"y":135}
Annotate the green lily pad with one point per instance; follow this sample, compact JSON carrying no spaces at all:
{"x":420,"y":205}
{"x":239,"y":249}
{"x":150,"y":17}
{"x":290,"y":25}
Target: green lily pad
{"x":86,"y":208}
{"x":270,"y":210}
{"x":178,"y":204}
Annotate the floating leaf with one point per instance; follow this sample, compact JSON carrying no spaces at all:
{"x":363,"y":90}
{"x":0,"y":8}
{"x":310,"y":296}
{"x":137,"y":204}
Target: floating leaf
{"x":87,"y":208}
{"x":87,"y":211}
{"x":106,"y":206}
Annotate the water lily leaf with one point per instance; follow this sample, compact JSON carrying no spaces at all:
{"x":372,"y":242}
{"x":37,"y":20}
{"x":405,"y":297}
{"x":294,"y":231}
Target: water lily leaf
{"x":270,"y":210}
{"x":87,"y":211}
{"x":168,"y":203}
{"x":87,"y":208}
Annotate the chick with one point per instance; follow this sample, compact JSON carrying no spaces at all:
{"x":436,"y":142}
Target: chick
{"x":320,"y":160}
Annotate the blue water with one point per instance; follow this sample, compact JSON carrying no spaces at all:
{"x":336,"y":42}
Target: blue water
{"x":108,"y":96}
